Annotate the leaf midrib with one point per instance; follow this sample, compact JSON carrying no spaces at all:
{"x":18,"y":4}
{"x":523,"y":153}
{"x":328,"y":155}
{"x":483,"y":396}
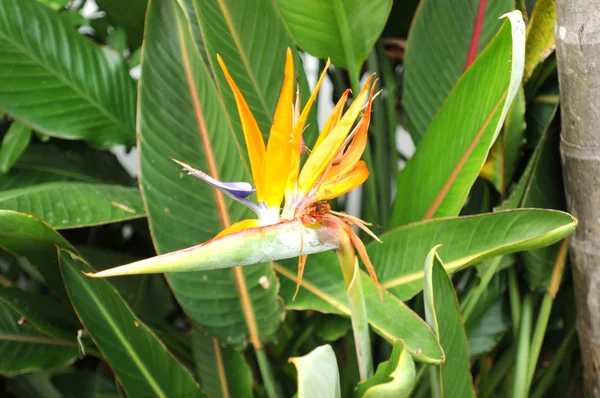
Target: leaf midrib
{"x":67,"y":83}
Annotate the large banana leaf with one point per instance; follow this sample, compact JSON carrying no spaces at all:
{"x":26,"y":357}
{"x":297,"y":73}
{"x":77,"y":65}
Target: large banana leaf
{"x":343,"y":30}
{"x":437,"y":179}
{"x":443,"y":41}
{"x":82,"y":91}
{"x":74,"y":204}
{"x":181,"y":117}
{"x":139,"y":359}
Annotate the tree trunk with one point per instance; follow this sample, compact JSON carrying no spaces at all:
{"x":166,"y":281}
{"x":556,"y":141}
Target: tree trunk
{"x":578,"y":58}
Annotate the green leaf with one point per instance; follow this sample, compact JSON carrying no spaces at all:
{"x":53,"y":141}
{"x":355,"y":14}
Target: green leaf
{"x":393,"y":379}
{"x":128,"y":15}
{"x":442,"y":311}
{"x":443,"y":41}
{"x":318,"y":374}
{"x":13,"y":145}
{"x":56,"y":81}
{"x":55,"y":4}
{"x":467,"y":240}
{"x":28,"y":236}
{"x":138,"y":358}
{"x":437,"y":179}
{"x":540,"y":113}
{"x":32,"y":385}
{"x":43,"y":312}
{"x":48,"y":163}
{"x":540,"y":35}
{"x":73,"y":204}
{"x":181,"y":117}
{"x":223,"y":372}
{"x":255,"y":57}
{"x":332,"y":328}
{"x":343,"y":30}
{"x":323,"y":289}
{"x":24,"y":349}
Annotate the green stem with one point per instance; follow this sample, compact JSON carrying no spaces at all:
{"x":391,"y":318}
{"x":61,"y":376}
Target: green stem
{"x":515,"y":299}
{"x":267,"y":374}
{"x":565,"y":348}
{"x":545,"y":309}
{"x":520,"y":382}
{"x":484,"y":377}
{"x":358,"y":308}
{"x":475,"y":293}
{"x":501,"y":368}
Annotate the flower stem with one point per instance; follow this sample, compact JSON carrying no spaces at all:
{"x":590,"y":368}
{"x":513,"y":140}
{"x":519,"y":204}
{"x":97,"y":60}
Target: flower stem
{"x":267,"y":374}
{"x":358,"y":310}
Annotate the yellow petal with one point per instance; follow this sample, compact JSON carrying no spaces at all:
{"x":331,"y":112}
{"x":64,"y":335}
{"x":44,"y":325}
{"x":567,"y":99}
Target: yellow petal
{"x":333,"y":119}
{"x":320,"y":159}
{"x":252,"y":135}
{"x":238,"y":226}
{"x":345,"y":183}
{"x":357,"y":145}
{"x":279,"y":148}
{"x":298,"y":129}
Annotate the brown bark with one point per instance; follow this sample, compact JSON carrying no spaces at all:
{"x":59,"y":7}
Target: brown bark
{"x":578,"y":58}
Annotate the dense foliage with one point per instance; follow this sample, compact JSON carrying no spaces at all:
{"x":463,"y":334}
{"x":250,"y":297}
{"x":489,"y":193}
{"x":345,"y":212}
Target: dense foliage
{"x":476,"y":300}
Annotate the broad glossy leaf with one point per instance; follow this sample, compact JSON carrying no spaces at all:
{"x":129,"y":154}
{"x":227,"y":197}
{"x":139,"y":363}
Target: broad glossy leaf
{"x":138,"y":358}
{"x":343,"y":30}
{"x":393,"y":379}
{"x":24,"y":349}
{"x":60,"y":83}
{"x":129,"y":15}
{"x":43,"y":312}
{"x":74,"y":204}
{"x":13,"y":145}
{"x":467,"y":240}
{"x":437,"y":179}
{"x":181,"y":117}
{"x":251,"y":37}
{"x":443,"y":41}
{"x":540,"y":35}
{"x":442,"y":312}
{"x":323,"y":289}
{"x":222,"y":371}
{"x":318,"y":374}
{"x":28,"y":236}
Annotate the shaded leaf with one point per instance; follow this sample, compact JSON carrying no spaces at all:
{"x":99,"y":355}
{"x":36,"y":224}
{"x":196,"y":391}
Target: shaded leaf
{"x":223,"y":372}
{"x":332,"y":328}
{"x":13,"y":145}
{"x":344,"y":31}
{"x":24,"y":349}
{"x":443,"y":314}
{"x":318,"y":374}
{"x":394,"y":378}
{"x":540,"y":35}
{"x":460,"y":141}
{"x":82,"y":91}
{"x":80,"y":384}
{"x":443,"y":41}
{"x":128,"y":15}
{"x":181,"y":117}
{"x":73,"y":204}
{"x":138,"y":358}
{"x":323,"y":289}
{"x":32,"y":385}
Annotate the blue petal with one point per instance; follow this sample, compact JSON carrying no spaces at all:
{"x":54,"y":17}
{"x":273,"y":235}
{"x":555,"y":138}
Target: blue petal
{"x":235,"y":190}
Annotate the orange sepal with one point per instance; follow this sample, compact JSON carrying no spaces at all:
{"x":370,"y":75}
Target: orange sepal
{"x":333,"y":119}
{"x":344,"y":183}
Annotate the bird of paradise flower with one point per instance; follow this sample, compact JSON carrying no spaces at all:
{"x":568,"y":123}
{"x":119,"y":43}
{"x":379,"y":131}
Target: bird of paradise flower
{"x":306,"y":224}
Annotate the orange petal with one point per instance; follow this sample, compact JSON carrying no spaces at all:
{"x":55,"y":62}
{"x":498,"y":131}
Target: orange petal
{"x":321,"y":158}
{"x":238,"y":226}
{"x":279,"y":148}
{"x":364,"y":256}
{"x":359,"y":141}
{"x":298,"y":129}
{"x":252,"y":135}
{"x":301,"y":264}
{"x":333,"y":119}
{"x":339,"y":185}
